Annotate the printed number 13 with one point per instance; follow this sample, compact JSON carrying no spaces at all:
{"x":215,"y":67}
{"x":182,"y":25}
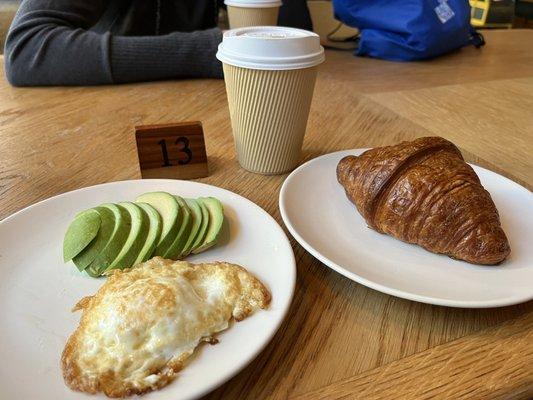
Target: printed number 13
{"x":184,"y":142}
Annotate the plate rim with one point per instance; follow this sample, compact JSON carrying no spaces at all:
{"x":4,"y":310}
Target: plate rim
{"x":371,"y":284}
{"x":292,"y":269}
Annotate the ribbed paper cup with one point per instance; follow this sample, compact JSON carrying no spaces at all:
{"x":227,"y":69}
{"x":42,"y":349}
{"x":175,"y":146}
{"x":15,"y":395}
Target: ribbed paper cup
{"x":269,"y":111}
{"x":245,"y":16}
{"x":270,"y":75}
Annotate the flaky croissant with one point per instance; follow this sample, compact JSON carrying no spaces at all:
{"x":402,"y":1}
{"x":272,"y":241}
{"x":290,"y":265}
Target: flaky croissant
{"x":423,"y":192}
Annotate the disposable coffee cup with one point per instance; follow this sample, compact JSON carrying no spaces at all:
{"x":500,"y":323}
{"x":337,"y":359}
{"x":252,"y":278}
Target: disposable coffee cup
{"x":270,"y":75}
{"x":242,"y":13}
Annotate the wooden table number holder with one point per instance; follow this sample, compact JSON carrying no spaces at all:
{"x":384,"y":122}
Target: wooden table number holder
{"x":172,"y":151}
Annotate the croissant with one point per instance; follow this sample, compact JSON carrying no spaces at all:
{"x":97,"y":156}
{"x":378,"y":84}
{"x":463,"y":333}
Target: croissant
{"x":423,"y":192}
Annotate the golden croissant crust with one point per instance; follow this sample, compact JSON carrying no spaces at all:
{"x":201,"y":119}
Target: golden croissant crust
{"x":423,"y":192}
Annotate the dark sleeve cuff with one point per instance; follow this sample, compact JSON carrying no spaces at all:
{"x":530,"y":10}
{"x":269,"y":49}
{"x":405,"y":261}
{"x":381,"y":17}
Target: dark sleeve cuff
{"x":176,"y":55}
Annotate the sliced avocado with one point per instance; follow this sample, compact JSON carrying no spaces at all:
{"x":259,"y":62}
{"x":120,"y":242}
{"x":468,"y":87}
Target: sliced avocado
{"x":92,"y":273}
{"x":196,"y":212}
{"x":200,"y":236}
{"x":183,"y":234}
{"x":89,"y":253}
{"x":154,"y":231}
{"x":136,"y":238}
{"x":81,"y":231}
{"x":167,"y":206}
{"x":116,"y":242}
{"x":216,"y":218}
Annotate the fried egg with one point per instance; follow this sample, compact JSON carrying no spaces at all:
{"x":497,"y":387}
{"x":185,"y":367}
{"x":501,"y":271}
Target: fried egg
{"x":138,"y":330}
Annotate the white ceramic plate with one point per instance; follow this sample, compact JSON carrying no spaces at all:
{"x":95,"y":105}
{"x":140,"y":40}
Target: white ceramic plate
{"x":37,"y":291}
{"x":318,"y":214}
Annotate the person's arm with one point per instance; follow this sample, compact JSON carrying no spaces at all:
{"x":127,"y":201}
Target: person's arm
{"x":178,"y":54}
{"x":50,"y":43}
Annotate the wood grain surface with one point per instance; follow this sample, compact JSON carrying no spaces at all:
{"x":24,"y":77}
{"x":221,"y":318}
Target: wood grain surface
{"x":485,"y":360}
{"x":340,"y":339}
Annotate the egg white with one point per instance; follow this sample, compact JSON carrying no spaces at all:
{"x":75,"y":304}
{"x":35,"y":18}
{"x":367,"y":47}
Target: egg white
{"x":137,"y":331}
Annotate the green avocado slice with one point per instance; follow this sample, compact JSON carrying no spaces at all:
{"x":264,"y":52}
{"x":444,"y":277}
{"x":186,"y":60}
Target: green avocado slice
{"x":183,"y":234}
{"x":89,"y":253}
{"x":200,"y":236}
{"x":136,"y":238}
{"x":154,"y":231}
{"x":92,"y":273}
{"x":116,"y":242}
{"x":167,"y":206}
{"x":216,"y":218}
{"x":81,"y":231}
{"x":196,"y":212}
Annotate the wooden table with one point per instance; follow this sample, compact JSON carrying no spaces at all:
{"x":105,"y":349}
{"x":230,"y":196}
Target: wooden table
{"x":340,"y":339}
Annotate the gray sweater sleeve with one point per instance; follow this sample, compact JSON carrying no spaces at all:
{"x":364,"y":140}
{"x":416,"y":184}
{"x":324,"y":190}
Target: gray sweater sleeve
{"x":50,"y":43}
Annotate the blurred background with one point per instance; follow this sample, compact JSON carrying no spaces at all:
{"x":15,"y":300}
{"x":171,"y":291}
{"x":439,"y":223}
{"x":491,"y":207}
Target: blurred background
{"x":486,"y":14}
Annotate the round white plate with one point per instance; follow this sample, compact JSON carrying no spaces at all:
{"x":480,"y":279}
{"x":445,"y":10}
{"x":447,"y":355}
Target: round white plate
{"x":37,"y":291}
{"x":318,"y":214}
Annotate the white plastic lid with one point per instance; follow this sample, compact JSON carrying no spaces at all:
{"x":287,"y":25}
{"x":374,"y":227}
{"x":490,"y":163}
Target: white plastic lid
{"x":253,"y":3}
{"x":271,"y":48}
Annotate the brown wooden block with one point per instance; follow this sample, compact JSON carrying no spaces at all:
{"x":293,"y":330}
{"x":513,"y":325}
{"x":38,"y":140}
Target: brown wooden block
{"x":175,"y":151}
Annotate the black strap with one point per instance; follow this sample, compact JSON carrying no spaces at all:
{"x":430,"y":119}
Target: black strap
{"x":477,"y":39}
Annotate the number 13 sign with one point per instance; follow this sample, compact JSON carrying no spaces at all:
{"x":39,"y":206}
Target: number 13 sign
{"x":172,"y":150}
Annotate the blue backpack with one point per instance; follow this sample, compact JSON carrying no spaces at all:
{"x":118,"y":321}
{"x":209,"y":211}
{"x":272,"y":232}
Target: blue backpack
{"x":406,"y":30}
